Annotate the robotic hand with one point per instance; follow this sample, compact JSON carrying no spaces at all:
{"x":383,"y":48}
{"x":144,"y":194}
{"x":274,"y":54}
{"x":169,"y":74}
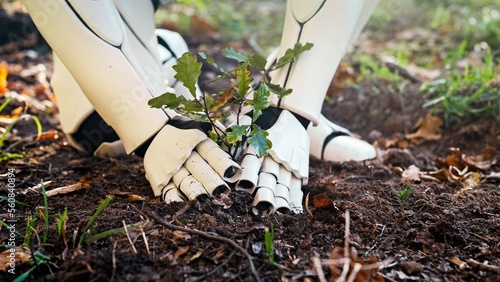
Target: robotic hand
{"x":193,"y":166}
{"x":103,"y":85}
{"x":276,"y":180}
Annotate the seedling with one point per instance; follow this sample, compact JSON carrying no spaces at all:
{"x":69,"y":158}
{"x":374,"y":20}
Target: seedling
{"x":497,"y":189}
{"x":39,"y":259}
{"x":213,"y":107}
{"x":61,"y":226}
{"x":30,"y":227}
{"x":45,"y":213}
{"x":269,"y":243}
{"x":5,"y":154}
{"x":87,"y":233}
{"x":403,"y":194}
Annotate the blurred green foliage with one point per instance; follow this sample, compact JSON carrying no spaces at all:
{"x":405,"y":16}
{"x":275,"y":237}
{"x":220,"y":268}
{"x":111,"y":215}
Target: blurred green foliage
{"x":425,"y":33}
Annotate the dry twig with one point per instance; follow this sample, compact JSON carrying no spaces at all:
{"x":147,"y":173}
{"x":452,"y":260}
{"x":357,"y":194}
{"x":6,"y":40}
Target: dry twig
{"x":319,"y":269}
{"x":307,"y":207}
{"x":145,"y":239}
{"x":485,"y":267}
{"x":128,"y":236}
{"x":347,"y":258}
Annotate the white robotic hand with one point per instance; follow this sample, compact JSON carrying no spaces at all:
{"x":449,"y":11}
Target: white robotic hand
{"x":182,"y":162}
{"x":276,"y":180}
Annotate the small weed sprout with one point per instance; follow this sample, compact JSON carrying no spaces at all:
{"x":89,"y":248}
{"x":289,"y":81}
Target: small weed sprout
{"x":45,"y":214}
{"x":5,"y":154}
{"x":39,"y":259}
{"x":497,"y":189}
{"x":87,"y":233}
{"x":269,"y":243}
{"x":212,"y":107}
{"x":403,"y":194}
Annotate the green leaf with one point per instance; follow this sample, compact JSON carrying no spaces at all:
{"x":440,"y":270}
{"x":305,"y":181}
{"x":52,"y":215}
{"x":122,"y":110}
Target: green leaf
{"x":193,"y":106}
{"x":236,"y":134}
{"x":278,"y":90}
{"x":232,"y":54}
{"x":260,"y":100}
{"x":257,"y":62}
{"x":213,"y":135}
{"x":199,"y":116}
{"x":10,"y":156}
{"x":292,"y":54}
{"x":60,"y":221}
{"x":5,"y":103}
{"x":244,"y":78}
{"x":24,"y":275}
{"x":188,"y":71}
{"x":258,"y":140}
{"x":169,"y":100}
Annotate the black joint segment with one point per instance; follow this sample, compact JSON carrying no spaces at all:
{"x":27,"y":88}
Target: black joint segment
{"x":329,"y":138}
{"x":93,"y":132}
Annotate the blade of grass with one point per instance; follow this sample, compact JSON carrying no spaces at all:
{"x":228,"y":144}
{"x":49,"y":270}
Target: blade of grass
{"x":5,"y":103}
{"x":9,"y":128}
{"x":95,"y":215}
{"x":46,"y":213}
{"x":119,"y":230}
{"x":15,"y":201}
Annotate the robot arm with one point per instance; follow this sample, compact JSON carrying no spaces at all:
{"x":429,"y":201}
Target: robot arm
{"x":330,"y":25}
{"x":97,"y":49}
{"x":110,"y":50}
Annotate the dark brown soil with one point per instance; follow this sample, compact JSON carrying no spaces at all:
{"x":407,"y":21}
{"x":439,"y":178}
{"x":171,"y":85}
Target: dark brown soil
{"x":431,"y":236}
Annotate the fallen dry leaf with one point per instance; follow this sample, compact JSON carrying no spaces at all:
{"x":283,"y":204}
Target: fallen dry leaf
{"x":427,"y":128}
{"x":362,"y":269}
{"x":181,"y":251}
{"x":195,"y":256}
{"x":396,"y":141}
{"x":460,"y":160}
{"x":458,"y":262}
{"x":440,"y":175}
{"x":469,"y":181}
{"x":22,"y":255}
{"x":483,"y":161}
{"x":50,"y":134}
{"x":180,"y":235}
{"x":223,"y":200}
{"x":3,"y":79}
{"x":136,"y":198}
{"x":411,"y":174}
{"x":221,"y":252}
{"x":321,"y":201}
{"x":411,"y":267}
